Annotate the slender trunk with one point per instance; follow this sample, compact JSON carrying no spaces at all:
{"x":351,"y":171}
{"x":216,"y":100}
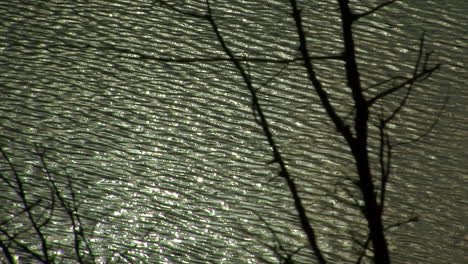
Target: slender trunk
{"x":372,"y":210}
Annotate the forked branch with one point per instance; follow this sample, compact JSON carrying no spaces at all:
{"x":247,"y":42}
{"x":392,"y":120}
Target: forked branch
{"x":71,"y":209}
{"x":420,"y":73}
{"x":373,"y":10}
{"x":18,"y":186}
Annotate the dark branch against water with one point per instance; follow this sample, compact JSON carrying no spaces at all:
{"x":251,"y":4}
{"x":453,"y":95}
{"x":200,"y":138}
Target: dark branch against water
{"x":373,"y":10}
{"x":18,"y":186}
{"x":277,"y":157}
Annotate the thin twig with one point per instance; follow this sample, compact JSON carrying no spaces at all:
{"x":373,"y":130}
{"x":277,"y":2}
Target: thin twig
{"x":70,"y":208}
{"x":24,"y":247}
{"x":421,"y":76}
{"x":365,"y":247}
{"x":7,"y":252}
{"x":373,"y":10}
{"x":412,"y":219}
{"x":417,"y":76}
{"x":21,"y":192}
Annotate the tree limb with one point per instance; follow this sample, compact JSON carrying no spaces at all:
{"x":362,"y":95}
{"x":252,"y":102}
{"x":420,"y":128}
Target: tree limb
{"x":373,"y":10}
{"x":21,"y":193}
{"x":277,"y":157}
{"x":417,"y":76}
{"x":70,"y":209}
{"x":340,"y":125}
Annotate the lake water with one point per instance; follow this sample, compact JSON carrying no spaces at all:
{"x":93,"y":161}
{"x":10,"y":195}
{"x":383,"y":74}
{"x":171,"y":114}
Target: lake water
{"x":166,"y":157}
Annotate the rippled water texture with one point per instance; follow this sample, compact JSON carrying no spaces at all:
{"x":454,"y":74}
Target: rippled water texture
{"x":166,"y":157}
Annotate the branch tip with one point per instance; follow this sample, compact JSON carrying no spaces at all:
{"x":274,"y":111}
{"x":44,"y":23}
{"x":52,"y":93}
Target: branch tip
{"x":356,"y":17}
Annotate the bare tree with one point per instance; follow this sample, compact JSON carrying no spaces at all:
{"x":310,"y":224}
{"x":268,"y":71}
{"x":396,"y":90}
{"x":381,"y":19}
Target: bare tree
{"x":37,"y":214}
{"x":371,"y":184}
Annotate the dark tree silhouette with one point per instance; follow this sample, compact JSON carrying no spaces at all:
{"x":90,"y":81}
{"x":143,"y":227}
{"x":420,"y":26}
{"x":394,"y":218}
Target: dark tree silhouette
{"x":371,"y":183}
{"x":355,"y":134}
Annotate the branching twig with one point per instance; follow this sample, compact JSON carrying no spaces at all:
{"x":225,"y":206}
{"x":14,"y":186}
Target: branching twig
{"x":24,"y":210}
{"x":420,"y":73}
{"x":281,"y":253}
{"x":180,"y":11}
{"x":125,"y":253}
{"x":373,"y":10}
{"x":340,"y":126}
{"x":71,"y":210}
{"x":412,"y":219}
{"x":23,"y":246}
{"x":421,"y":76}
{"x":410,"y":88}
{"x":431,"y":127}
{"x":365,"y":247}
{"x":37,"y":227}
{"x":7,"y":252}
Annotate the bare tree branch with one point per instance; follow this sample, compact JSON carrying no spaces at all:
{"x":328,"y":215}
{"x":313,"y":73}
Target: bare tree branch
{"x":277,"y":157}
{"x":365,"y":247}
{"x":340,"y":126}
{"x":24,"y":247}
{"x":24,"y":210}
{"x":373,"y":10}
{"x":21,"y":193}
{"x":410,"y":87}
{"x":410,"y":220}
{"x":283,"y":255}
{"x":179,"y":10}
{"x":359,"y":146}
{"x":394,"y":78}
{"x":220,"y":59}
{"x":71,"y":210}
{"x":385,"y":147}
{"x":7,"y":252}
{"x":431,"y":127}
{"x":424,"y":74}
{"x":385,"y":159}
{"x":421,"y":72}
